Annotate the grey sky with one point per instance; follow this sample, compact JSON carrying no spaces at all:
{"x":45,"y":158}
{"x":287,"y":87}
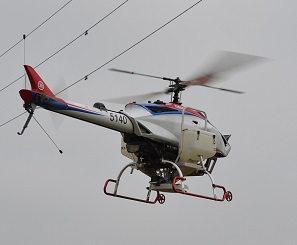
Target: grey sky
{"x":48,"y":198}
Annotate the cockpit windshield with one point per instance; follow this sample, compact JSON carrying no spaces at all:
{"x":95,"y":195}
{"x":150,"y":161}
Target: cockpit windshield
{"x":160,"y":109}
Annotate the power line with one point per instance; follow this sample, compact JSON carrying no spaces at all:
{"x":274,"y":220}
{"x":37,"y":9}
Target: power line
{"x":126,"y":50}
{"x":25,"y":36}
{"x":68,"y":44}
{"x":83,"y":34}
{"x":12,"y":119}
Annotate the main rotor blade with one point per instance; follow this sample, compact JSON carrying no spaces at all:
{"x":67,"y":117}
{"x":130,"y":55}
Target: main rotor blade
{"x":136,"y":98}
{"x":224,"y":62}
{"x":224,"y":89}
{"x":140,"y":74}
{"x":228,"y":61}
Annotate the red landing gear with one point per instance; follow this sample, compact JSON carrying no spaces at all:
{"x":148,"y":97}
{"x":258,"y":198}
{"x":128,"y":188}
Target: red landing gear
{"x":159,"y":197}
{"x":227,"y":195}
{"x":176,"y":186}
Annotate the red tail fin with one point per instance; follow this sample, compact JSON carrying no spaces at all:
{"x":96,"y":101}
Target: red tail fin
{"x":37,"y":84}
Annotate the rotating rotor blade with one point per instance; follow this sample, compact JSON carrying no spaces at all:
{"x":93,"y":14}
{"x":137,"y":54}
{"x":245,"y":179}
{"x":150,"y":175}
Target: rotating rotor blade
{"x":201,"y":81}
{"x":60,"y":85}
{"x":228,"y":61}
{"x":137,"y":98}
{"x":225,"y":62}
{"x":140,"y":74}
{"x":59,"y":88}
{"x":224,"y":89}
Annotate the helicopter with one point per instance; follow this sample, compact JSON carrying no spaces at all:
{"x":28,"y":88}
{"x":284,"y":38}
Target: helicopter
{"x":164,"y":140}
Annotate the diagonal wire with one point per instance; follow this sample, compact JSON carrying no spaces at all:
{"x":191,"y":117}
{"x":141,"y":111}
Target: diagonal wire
{"x":25,"y":36}
{"x":126,"y":50}
{"x":12,"y":119}
{"x":83,"y":34}
{"x":68,"y":44}
{"x":48,"y":135}
{"x":86,"y":77}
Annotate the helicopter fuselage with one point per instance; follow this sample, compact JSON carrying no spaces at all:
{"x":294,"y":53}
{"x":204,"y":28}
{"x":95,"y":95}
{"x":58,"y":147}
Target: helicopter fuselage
{"x":140,"y":124}
{"x":166,"y":141}
{"x":151,"y":132}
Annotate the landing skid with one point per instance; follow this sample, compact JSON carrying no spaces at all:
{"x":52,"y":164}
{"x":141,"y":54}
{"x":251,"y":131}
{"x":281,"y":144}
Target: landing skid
{"x":227,"y":195}
{"x":159,"y":197}
{"x":176,"y":186}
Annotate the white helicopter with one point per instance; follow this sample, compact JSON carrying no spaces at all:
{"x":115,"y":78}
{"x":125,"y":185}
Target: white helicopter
{"x":165,"y":141}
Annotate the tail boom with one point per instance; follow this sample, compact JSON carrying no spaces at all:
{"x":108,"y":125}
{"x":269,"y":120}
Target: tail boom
{"x":42,"y":96}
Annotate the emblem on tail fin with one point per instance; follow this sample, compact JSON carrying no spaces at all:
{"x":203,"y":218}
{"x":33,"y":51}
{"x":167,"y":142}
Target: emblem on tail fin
{"x":40,"y":85}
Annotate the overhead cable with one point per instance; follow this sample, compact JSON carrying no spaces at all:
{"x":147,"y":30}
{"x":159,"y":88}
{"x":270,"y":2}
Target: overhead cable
{"x":86,"y":77}
{"x":126,"y":50}
{"x":27,"y":35}
{"x":68,"y":44}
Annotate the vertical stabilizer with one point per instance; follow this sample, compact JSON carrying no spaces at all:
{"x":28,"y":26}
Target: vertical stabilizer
{"x":37,"y":84}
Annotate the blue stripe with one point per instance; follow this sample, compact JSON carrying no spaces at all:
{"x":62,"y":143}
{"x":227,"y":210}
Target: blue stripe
{"x":72,"y":108}
{"x":55,"y":105}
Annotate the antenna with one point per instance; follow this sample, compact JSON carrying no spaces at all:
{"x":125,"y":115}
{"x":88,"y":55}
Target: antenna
{"x":24,"y":38}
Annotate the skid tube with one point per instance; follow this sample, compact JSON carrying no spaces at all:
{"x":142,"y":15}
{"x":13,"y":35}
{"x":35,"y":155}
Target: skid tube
{"x":159,"y":198}
{"x":226,"y":196}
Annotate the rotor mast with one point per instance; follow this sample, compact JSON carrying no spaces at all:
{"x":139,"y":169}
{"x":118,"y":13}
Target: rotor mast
{"x":176,"y":89}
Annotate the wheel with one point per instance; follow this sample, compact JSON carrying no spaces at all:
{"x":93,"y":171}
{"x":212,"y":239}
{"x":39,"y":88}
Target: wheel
{"x":229,"y":196}
{"x":161,"y":198}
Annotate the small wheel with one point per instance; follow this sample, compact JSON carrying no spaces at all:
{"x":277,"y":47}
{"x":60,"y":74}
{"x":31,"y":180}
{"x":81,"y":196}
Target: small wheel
{"x":161,"y":198}
{"x":229,"y":196}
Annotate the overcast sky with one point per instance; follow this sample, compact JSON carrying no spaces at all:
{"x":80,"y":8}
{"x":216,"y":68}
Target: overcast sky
{"x":49,"y":198}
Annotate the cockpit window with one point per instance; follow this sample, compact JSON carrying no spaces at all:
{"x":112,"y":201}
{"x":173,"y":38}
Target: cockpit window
{"x":159,"y":109}
{"x":99,"y":106}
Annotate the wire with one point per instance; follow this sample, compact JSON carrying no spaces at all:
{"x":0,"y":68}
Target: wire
{"x":126,"y":50}
{"x":24,"y":37}
{"x":35,"y":29}
{"x":68,"y":44}
{"x":12,"y":119}
{"x":83,"y":34}
{"x":48,"y":136}
{"x":86,"y":77}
